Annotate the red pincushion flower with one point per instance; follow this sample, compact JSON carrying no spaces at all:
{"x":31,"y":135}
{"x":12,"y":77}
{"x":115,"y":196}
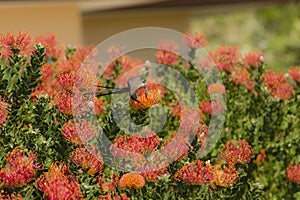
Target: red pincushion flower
{"x":16,"y":43}
{"x":216,"y":88}
{"x":198,"y":40}
{"x":294,"y":73}
{"x":167,"y":53}
{"x":66,"y":80}
{"x":108,"y":183}
{"x":236,"y":151}
{"x":131,"y":180}
{"x":214,"y":107}
{"x":151,"y":171}
{"x":240,"y":76}
{"x":277,"y":85}
{"x":272,"y":79}
{"x":195,"y":173}
{"x":283,"y":91}
{"x":293,"y":173}
{"x":58,"y":184}
{"x":92,"y":161}
{"x":79,"y":131}
{"x":19,"y":169}
{"x":253,"y":59}
{"x":139,"y":143}
{"x":71,"y":103}
{"x":3,"y":111}
{"x":51,"y":43}
{"x":226,"y":57}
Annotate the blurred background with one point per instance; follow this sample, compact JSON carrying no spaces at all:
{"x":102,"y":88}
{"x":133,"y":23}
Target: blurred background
{"x":270,"y":26}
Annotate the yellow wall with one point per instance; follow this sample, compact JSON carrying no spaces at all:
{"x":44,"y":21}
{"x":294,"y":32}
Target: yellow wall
{"x":64,"y":20}
{"x":99,"y":27}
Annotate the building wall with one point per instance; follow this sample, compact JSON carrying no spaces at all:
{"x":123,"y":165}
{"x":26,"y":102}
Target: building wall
{"x":64,"y":20}
{"x":99,"y":27}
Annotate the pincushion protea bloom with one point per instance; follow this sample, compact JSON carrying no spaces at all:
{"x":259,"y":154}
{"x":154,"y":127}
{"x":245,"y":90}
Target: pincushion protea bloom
{"x":142,"y":142}
{"x":272,"y":79}
{"x":198,"y":40}
{"x":240,"y":76}
{"x":224,"y":177}
{"x":151,"y":171}
{"x":19,"y":169}
{"x":253,"y":59}
{"x":71,"y":103}
{"x":277,"y":84}
{"x":195,"y":173}
{"x":15,"y":43}
{"x":58,"y":184}
{"x":283,"y":91}
{"x":92,"y":161}
{"x":3,"y":111}
{"x":148,"y":100}
{"x":226,"y":57}
{"x":108,"y":183}
{"x":294,"y":73}
{"x":79,"y":131}
{"x":216,"y":88}
{"x":236,"y":151}
{"x":166,"y":54}
{"x":213,"y":107}
{"x":131,"y":180}
{"x":293,"y":173}
{"x":50,"y":41}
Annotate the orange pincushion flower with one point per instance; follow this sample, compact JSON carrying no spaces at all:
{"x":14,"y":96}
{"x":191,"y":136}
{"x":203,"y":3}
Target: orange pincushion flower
{"x":131,"y":180}
{"x":216,"y":88}
{"x":19,"y":169}
{"x":294,"y":73}
{"x":224,"y":177}
{"x":58,"y":184}
{"x":3,"y":111}
{"x":92,"y":161}
{"x":195,"y":41}
{"x":153,"y":97}
{"x":236,"y":151}
{"x":293,"y":173}
{"x":78,"y":132}
{"x":195,"y":173}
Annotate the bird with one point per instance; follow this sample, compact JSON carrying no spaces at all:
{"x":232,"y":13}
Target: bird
{"x":134,"y":84}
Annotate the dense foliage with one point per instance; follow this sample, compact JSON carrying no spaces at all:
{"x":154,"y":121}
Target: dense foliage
{"x":42,"y":156}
